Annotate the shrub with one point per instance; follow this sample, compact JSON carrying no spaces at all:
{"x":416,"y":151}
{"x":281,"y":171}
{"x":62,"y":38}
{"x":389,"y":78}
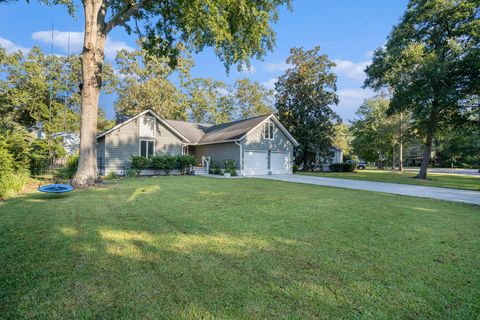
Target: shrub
{"x":294,"y":168}
{"x":13,"y":182}
{"x":130,"y":173}
{"x":215,"y":169}
{"x":156,"y":162}
{"x":70,"y":168}
{"x":230,"y":166}
{"x":38,"y":164}
{"x":6,"y":162}
{"x":139,"y":163}
{"x":111,"y":175}
{"x":164,"y":162}
{"x":343,"y":167}
{"x":185,"y":162}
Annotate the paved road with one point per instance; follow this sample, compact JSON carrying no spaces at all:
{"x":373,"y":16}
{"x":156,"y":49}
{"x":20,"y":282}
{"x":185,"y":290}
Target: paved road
{"x":468,"y":172}
{"x":467,"y":196}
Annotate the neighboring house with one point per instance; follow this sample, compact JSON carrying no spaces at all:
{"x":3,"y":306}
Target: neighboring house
{"x":70,"y":141}
{"x":414,"y":154}
{"x":337,"y":157}
{"x":259,"y":145}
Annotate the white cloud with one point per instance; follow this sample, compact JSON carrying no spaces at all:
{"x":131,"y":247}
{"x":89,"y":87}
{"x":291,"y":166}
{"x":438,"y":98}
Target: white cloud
{"x":11,"y":46}
{"x":270,"y":84}
{"x":352,"y":70}
{"x":274,"y":67}
{"x":61,"y":40}
{"x":248,"y":70}
{"x":350,"y":100}
{"x":112,"y":46}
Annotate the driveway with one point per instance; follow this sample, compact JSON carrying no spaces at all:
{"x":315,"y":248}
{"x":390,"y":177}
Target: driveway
{"x":467,"y":196}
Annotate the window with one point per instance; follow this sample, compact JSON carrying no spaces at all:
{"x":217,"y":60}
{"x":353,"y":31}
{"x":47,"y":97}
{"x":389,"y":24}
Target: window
{"x":147,"y":148}
{"x":147,"y":126}
{"x":268,"y":130}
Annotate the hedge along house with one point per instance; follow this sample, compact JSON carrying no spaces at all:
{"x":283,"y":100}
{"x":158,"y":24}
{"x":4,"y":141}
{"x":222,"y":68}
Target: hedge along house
{"x":259,"y":145}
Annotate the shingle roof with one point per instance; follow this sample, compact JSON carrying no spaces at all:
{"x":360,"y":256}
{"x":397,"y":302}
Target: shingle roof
{"x":204,"y":133}
{"x":199,"y":133}
{"x":192,"y":131}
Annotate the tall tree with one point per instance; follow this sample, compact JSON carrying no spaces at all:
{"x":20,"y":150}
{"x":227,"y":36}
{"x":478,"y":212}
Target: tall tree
{"x":342,"y":138}
{"x":40,"y":91}
{"x":375,"y":133}
{"x":305,"y":94}
{"x":237,"y":30}
{"x":252,"y":99}
{"x":431,"y":62}
{"x":209,"y":101}
{"x":145,"y":84}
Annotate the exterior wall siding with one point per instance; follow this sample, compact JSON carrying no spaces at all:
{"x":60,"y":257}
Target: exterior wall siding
{"x":255,"y":141}
{"x":124,"y":142}
{"x":219,"y":153}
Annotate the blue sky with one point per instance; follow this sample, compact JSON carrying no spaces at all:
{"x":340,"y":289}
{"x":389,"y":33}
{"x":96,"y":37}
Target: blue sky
{"x":346,"y":30}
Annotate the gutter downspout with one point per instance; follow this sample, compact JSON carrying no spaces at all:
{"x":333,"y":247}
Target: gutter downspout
{"x":241,"y":156}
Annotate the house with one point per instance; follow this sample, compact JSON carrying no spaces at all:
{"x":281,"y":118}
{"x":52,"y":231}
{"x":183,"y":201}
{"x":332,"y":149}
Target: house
{"x":322,"y":164}
{"x":70,"y":141}
{"x":414,"y":154}
{"x":259,"y":145}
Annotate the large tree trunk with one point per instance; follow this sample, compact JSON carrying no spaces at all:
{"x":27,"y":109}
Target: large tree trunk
{"x":425,"y":159}
{"x":92,"y":62}
{"x":428,"y":145}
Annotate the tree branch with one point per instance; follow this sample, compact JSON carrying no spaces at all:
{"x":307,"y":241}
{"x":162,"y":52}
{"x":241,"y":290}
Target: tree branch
{"x":123,"y":15}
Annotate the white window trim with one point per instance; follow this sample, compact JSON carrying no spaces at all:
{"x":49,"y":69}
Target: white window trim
{"x":140,"y":147}
{"x":266,"y":128}
{"x":154,"y":125}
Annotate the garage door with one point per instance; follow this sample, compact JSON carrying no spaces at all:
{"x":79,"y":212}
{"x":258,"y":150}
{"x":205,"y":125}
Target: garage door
{"x":280,"y":162}
{"x":255,"y":163}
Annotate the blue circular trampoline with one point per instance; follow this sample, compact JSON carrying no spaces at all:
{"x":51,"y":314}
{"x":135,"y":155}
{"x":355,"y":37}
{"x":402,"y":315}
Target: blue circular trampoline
{"x":56,"y":188}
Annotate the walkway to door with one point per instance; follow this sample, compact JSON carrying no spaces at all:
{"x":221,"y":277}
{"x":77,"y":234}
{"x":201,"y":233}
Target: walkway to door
{"x":467,"y":196}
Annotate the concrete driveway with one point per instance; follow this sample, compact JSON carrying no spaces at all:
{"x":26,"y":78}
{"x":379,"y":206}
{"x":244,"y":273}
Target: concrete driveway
{"x":472,"y":197}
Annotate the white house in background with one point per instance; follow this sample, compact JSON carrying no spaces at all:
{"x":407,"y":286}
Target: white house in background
{"x":70,"y":141}
{"x":259,"y":145}
{"x":337,"y":157}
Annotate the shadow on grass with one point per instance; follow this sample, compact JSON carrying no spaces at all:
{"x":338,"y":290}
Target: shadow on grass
{"x":196,"y":251}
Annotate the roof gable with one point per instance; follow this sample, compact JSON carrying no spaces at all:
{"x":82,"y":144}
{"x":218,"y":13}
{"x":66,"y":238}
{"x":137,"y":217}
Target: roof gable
{"x":200,"y":133}
{"x":153,"y":113}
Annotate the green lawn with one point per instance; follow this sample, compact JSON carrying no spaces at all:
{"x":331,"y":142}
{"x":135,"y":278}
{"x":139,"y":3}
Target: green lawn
{"x":455,"y":181}
{"x":193,"y":247}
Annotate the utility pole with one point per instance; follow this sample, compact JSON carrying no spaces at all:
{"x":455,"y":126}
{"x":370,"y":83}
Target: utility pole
{"x":400,"y":156}
{"x":67,"y":88}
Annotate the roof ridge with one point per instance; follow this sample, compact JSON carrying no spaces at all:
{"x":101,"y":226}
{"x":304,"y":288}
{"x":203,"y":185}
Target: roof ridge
{"x":197,"y":123}
{"x":220,"y":124}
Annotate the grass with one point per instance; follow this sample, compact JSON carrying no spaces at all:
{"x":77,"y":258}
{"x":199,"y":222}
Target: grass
{"x":194,"y":247}
{"x":455,"y":181}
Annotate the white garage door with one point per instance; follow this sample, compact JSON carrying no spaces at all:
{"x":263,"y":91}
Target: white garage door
{"x":255,"y":163}
{"x":280,"y":163}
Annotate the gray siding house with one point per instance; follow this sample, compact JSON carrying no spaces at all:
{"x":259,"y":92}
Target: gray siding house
{"x":259,"y":145}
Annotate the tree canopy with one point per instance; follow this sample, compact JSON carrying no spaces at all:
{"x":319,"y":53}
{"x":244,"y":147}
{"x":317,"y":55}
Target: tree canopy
{"x":375,"y":133}
{"x":305,"y":94}
{"x":40,"y":91}
{"x":252,"y":99}
{"x":431,"y":64}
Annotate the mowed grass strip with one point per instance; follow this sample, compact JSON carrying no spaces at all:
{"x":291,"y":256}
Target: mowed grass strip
{"x":455,"y":181}
{"x":193,"y":247}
